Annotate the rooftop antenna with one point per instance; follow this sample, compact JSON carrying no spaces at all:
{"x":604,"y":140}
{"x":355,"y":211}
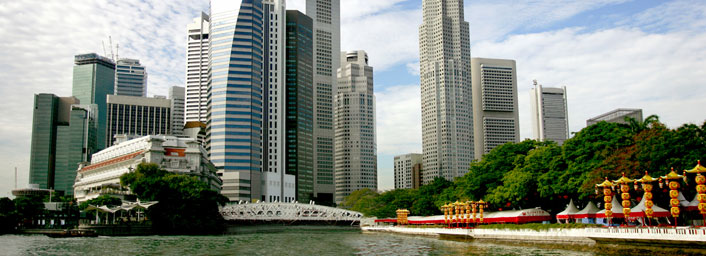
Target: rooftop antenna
{"x":105,"y":53}
{"x":534,"y":82}
{"x":116,"y":51}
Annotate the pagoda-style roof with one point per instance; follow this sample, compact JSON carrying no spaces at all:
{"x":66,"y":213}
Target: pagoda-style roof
{"x":698,"y":169}
{"x":647,"y":178}
{"x":672,"y":175}
{"x":623,"y":180}
{"x":606,"y":184}
{"x":570,"y":210}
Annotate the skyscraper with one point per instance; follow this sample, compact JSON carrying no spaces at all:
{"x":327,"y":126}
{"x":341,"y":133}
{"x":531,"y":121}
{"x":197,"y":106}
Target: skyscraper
{"x":176,"y":95}
{"x":298,"y":109}
{"x":495,"y":115}
{"x":327,"y":46}
{"x":137,"y":116}
{"x":445,"y":72}
{"x":49,"y":112}
{"x":130,"y":78}
{"x":407,"y":169}
{"x":278,"y":185}
{"x":354,"y":126}
{"x":235,"y":105}
{"x":550,"y":117}
{"x":93,"y":80}
{"x":63,"y":135}
{"x":196,"y":105}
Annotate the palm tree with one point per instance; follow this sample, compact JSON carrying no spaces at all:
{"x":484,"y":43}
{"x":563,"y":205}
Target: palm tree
{"x":637,"y":126}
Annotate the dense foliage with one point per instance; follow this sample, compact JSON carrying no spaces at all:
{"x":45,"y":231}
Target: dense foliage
{"x":543,"y":174}
{"x":186,"y":204}
{"x":102,"y":200}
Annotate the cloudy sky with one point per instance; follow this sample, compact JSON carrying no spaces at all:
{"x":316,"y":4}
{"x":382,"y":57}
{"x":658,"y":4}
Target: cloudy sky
{"x":609,"y":54}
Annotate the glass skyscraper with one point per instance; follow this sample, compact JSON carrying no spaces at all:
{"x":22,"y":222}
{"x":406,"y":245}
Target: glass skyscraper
{"x":299,"y":111}
{"x":130,"y":78}
{"x":93,"y":80}
{"x":234,"y":129}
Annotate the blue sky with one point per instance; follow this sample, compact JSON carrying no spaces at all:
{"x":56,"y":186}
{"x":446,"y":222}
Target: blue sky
{"x":609,"y":53}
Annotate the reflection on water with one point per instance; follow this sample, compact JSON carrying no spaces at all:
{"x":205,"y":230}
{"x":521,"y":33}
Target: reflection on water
{"x":304,"y":241}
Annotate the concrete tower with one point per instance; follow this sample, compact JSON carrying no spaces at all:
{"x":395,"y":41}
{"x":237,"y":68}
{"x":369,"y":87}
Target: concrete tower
{"x":196,"y":104}
{"x":327,"y":45}
{"x":550,"y":117}
{"x":354,"y":125}
{"x":495,"y":115}
{"x":445,"y":72}
{"x":130,"y":78}
{"x":176,"y":95}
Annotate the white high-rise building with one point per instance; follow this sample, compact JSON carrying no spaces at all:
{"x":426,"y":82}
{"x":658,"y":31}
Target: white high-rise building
{"x":445,"y":72}
{"x":407,"y":169}
{"x":176,"y":95}
{"x":550,"y":115}
{"x":277,"y":185}
{"x":327,"y":47}
{"x":354,"y":125}
{"x":495,"y":115}
{"x":196,"y":105}
{"x":130,"y":78}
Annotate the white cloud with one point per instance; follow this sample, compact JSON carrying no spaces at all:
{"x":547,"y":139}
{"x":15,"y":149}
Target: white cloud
{"x":399,"y":121}
{"x":413,"y":68}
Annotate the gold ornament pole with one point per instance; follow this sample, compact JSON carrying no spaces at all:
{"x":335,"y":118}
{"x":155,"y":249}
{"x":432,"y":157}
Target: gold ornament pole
{"x":647,"y":181}
{"x":607,"y":198}
{"x":625,"y":188}
{"x":468,"y":214}
{"x":456,"y":213}
{"x":673,"y":182}
{"x":474,"y":205}
{"x":481,"y":204}
{"x":700,"y":189}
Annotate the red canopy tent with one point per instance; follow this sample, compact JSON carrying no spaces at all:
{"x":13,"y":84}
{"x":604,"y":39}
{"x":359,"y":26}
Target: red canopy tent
{"x":590,"y":211}
{"x":567,"y":213}
{"x":639,"y":211}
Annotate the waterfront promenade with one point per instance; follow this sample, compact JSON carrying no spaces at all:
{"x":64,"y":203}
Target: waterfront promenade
{"x":585,"y":236}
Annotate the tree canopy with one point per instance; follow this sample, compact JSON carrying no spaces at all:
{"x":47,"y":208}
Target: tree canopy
{"x":543,"y":174}
{"x":186,"y":204}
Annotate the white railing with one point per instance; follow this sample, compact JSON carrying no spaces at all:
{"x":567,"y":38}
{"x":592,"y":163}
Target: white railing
{"x":287,"y":212}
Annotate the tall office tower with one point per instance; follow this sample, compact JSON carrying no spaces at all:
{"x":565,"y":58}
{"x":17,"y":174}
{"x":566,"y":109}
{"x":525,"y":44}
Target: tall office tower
{"x":299,"y":156}
{"x":176,"y":95}
{"x":617,"y":116}
{"x":49,"y":112}
{"x":75,"y":143}
{"x":327,"y":47}
{"x":407,"y":169}
{"x":550,"y":116}
{"x":196,"y":106}
{"x":63,"y":135}
{"x":130,"y":78}
{"x":234,"y":128}
{"x":277,"y":185}
{"x":138,"y":116}
{"x":94,"y":79}
{"x":445,"y":73}
{"x":354,"y":126}
{"x":495,"y":115}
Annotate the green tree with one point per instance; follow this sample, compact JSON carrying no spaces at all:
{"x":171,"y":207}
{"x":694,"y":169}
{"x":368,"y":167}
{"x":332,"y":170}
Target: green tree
{"x":186,"y":204}
{"x":8,"y":216}
{"x":102,"y":200}
{"x":28,"y":208}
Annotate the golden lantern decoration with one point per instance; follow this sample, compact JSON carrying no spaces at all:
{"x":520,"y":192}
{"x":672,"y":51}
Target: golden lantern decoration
{"x":468,"y":213}
{"x":625,"y":195}
{"x":700,"y":187}
{"x":445,"y":209}
{"x":646,"y":182}
{"x":473,"y":209}
{"x":481,"y":204}
{"x":402,"y":216}
{"x":607,"y":197}
{"x":672,"y":179}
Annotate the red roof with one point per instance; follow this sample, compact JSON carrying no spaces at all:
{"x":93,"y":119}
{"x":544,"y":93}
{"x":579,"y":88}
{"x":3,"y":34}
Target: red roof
{"x":111,"y":161}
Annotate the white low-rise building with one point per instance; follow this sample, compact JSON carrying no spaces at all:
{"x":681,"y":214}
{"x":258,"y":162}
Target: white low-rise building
{"x":180,"y":155}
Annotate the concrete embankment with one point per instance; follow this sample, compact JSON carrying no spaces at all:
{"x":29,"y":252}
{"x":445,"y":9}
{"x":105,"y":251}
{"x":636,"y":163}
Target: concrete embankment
{"x":584,"y":236}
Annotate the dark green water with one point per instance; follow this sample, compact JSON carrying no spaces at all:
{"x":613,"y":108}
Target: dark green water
{"x":297,"y":241}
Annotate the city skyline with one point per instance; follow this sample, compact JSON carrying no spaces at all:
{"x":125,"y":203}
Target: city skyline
{"x":642,"y":50}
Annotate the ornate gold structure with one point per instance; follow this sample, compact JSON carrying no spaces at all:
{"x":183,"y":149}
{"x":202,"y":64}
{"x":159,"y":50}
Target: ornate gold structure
{"x":402,"y":216}
{"x":672,"y":178}
{"x":481,"y":204}
{"x":607,"y":198}
{"x":625,"y":188}
{"x":646,"y":182}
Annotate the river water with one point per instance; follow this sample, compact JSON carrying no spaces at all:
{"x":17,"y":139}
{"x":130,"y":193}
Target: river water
{"x":302,"y":241}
